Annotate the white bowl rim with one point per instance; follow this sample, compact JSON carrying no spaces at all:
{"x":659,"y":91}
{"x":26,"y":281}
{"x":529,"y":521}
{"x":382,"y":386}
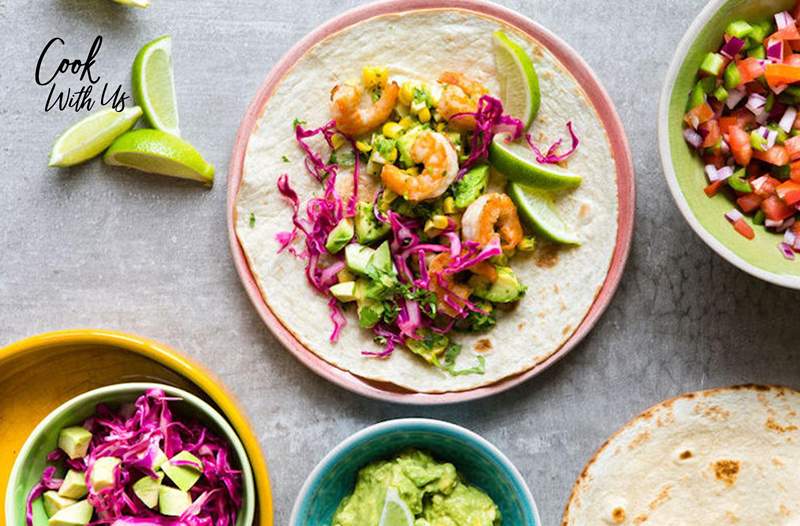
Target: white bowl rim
{"x":389,"y":425}
{"x":10,"y":507}
{"x":688,"y":39}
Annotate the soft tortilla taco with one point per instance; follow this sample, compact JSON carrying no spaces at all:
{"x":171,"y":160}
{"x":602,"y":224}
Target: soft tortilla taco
{"x":376,"y":210}
{"x":724,"y":456}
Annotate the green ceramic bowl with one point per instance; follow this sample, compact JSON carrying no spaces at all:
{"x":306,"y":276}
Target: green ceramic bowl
{"x":684,"y":170}
{"x":31,"y":459}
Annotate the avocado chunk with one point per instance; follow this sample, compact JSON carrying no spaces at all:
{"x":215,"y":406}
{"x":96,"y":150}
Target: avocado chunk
{"x":160,"y":458}
{"x":184,"y":476}
{"x":146,"y":488}
{"x":102,"y":474}
{"x":173,"y":501}
{"x":340,"y":236}
{"x":74,"y":485}
{"x":78,"y":514}
{"x":345,"y":291}
{"x":430,"y":347}
{"x":368,"y":228}
{"x":405,"y":142}
{"x":506,"y":289}
{"x":74,"y":441}
{"x":357,"y":258}
{"x":369,"y":313}
{"x":471,"y":186}
{"x":381,"y":261}
{"x":53,"y":502}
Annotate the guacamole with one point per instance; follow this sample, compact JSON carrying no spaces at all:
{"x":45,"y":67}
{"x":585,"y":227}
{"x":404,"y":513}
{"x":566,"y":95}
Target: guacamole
{"x":435,"y":493}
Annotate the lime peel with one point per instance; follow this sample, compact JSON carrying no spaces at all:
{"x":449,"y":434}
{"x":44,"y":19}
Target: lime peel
{"x":517,"y":162}
{"x":395,"y":510}
{"x":538,"y":210}
{"x":91,"y":135}
{"x":519,"y":82}
{"x":154,"y":85}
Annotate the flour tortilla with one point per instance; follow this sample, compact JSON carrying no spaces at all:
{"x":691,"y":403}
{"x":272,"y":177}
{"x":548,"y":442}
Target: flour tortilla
{"x":562,"y":282}
{"x":725,"y":456}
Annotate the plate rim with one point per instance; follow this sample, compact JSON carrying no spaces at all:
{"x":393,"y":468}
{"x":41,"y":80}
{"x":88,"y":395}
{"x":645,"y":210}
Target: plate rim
{"x":626,"y":199}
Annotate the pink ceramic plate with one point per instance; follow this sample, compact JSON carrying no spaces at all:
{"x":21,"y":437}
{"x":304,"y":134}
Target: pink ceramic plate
{"x":625,"y":183}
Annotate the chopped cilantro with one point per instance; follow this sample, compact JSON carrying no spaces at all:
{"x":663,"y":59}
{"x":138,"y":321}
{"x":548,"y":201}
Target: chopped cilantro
{"x":298,"y":122}
{"x":285,"y":159}
{"x":449,"y":363}
{"x":252,"y":220}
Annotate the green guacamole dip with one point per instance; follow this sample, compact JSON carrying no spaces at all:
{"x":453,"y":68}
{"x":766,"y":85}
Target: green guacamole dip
{"x":435,"y":493}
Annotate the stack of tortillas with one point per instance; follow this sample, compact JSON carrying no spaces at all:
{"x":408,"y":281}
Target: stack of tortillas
{"x":718,"y":457}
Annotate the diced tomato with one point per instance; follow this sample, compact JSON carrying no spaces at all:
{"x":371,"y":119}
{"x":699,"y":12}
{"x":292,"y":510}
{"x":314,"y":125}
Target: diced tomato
{"x":699,"y":115}
{"x":793,"y":148}
{"x":796,"y":228}
{"x":777,"y":74}
{"x":712,"y":189}
{"x":789,"y":191}
{"x":744,"y":229}
{"x":714,"y":157}
{"x":787,"y":33}
{"x":745,"y":118}
{"x":750,"y":69}
{"x":796,"y":10}
{"x":749,"y":203}
{"x":775,"y":209}
{"x":755,"y":170}
{"x":739,"y":142}
{"x":725,"y":123}
{"x":792,"y":59}
{"x":711,"y":129}
{"x":795,"y":172}
{"x":765,"y":186}
{"x":777,"y":155}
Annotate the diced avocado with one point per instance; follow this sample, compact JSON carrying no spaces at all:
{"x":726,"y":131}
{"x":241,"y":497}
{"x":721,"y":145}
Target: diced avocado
{"x":161,"y":457}
{"x":369,"y":313}
{"x":74,"y":441}
{"x":712,"y":64}
{"x":505,"y":289}
{"x":404,"y":144}
{"x":340,"y":236}
{"x":53,"y":502}
{"x":430,"y":347}
{"x":183,"y":476}
{"x":345,"y":291}
{"x":172,"y":501}
{"x":74,"y":485}
{"x":102,"y":474}
{"x":471,"y":186}
{"x":146,"y":488}
{"x":368,"y":228}
{"x":78,"y":514}
{"x":357,"y":258}
{"x":381,"y":260}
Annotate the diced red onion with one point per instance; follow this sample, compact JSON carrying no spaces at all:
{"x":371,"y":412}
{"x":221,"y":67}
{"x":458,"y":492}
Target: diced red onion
{"x":787,"y":251}
{"x":733,"y":216}
{"x":780,"y":88}
{"x":783,"y":19}
{"x":711,"y":172}
{"x":786,"y":224}
{"x":773,"y":223}
{"x":762,"y":116}
{"x":734,"y":97}
{"x":693,"y":138}
{"x":771,"y":137}
{"x":789,"y":237}
{"x":725,"y":148}
{"x":775,"y":51}
{"x":755,"y":102}
{"x":721,"y":174}
{"x":732,"y":47}
{"x":787,"y":121}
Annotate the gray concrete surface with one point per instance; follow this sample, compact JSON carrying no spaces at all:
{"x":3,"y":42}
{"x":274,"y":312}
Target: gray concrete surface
{"x":107,"y":248}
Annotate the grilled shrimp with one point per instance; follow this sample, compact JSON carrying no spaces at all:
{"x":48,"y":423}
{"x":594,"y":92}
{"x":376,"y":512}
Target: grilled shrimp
{"x":459,"y":290}
{"x":491,"y":215}
{"x":441,"y":167}
{"x":460,"y":95}
{"x":351,"y":118}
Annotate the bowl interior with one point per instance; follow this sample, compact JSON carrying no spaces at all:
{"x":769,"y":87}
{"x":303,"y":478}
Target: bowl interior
{"x":482,"y":465}
{"x":32,"y":458}
{"x":761,"y":253}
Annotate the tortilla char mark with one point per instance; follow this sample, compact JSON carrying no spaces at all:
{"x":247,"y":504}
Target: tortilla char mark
{"x":727,"y":471}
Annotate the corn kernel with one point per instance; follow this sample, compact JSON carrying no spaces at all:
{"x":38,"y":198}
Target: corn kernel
{"x":338,"y":141}
{"x":430,"y":229}
{"x":440,"y":221}
{"x":392,"y":130}
{"x":449,"y":205}
{"x":345,"y":275}
{"x":417,"y":106}
{"x":406,"y":94}
{"x":406,"y":122}
{"x":363,"y":146}
{"x":527,"y":244}
{"x":413,"y":171}
{"x":424,"y":114}
{"x":374,"y":76}
{"x":391,"y":156}
{"x":441,"y":126}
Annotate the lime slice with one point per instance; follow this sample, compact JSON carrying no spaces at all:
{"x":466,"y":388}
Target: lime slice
{"x":92,"y":135}
{"x":519,"y":85}
{"x":538,"y":210}
{"x":395,"y":510}
{"x":158,"y":152}
{"x":154,"y":86}
{"x":517,"y":162}
{"x":134,"y":3}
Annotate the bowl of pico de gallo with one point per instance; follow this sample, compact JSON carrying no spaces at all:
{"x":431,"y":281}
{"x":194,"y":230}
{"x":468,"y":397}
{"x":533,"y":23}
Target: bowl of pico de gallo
{"x":729,"y":134}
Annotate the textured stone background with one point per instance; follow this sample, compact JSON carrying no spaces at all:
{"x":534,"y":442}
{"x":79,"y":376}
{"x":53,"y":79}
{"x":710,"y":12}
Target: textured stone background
{"x":109,"y":248}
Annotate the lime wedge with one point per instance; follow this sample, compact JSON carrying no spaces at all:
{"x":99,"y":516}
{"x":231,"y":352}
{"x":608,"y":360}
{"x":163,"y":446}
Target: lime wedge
{"x":516,"y":161}
{"x":538,"y":210}
{"x":395,"y":510}
{"x":519,"y":85}
{"x":158,"y":152}
{"x":134,"y":3}
{"x":91,"y":135}
{"x":154,"y":86}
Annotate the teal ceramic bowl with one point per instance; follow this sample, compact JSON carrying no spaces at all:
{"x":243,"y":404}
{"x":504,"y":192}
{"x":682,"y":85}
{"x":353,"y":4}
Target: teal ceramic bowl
{"x":684,"y":170}
{"x":31,"y":459}
{"x":479,"y":461}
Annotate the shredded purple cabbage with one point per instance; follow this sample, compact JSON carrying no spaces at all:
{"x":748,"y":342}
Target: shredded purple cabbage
{"x":552,"y":156}
{"x":489,"y":121}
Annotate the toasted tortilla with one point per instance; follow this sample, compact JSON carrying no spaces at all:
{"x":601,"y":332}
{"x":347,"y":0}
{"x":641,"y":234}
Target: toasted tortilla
{"x":562,"y":282}
{"x":724,"y":456}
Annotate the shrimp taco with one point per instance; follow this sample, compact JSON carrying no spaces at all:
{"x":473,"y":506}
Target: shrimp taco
{"x":429,"y":199}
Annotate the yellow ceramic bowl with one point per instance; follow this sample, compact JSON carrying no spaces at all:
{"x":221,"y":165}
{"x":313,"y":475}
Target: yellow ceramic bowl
{"x":40,"y":373}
